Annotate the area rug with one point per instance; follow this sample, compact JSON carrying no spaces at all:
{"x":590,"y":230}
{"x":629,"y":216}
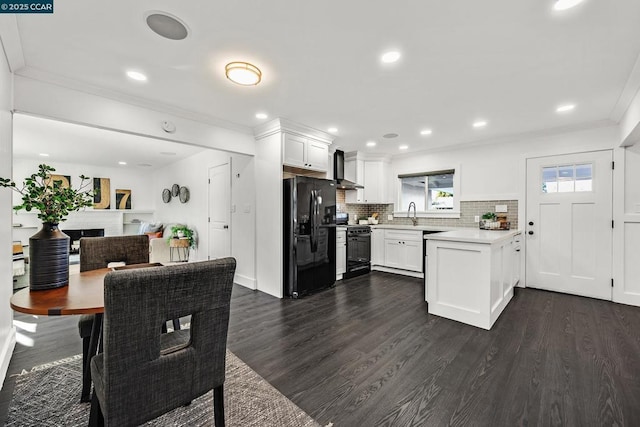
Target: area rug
{"x":49,"y":395}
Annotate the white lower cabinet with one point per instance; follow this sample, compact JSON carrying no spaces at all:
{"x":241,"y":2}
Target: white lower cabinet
{"x":341,"y":252}
{"x":377,"y":247}
{"x":397,"y":251}
{"x":471,"y":282}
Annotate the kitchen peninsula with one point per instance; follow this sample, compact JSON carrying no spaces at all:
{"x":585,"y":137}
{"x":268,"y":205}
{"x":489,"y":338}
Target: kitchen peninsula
{"x":471,"y":273}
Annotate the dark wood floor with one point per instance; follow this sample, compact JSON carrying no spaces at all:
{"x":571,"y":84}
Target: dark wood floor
{"x":367,"y":353}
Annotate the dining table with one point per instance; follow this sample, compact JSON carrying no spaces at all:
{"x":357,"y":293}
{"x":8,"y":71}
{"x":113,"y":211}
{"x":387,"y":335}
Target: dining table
{"x":83,"y":295}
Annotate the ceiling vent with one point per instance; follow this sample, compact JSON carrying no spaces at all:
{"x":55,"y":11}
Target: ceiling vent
{"x":167,"y":26}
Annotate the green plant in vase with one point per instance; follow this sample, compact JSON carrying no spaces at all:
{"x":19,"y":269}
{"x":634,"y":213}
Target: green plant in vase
{"x":53,"y":201}
{"x":183,"y":232}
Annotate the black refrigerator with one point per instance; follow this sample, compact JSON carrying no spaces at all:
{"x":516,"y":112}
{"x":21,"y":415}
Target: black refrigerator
{"x":309,"y":235}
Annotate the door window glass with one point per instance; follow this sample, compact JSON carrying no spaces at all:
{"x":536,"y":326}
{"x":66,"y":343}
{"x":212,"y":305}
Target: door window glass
{"x":567,"y":178}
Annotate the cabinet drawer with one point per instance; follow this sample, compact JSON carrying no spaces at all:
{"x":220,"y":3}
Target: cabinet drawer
{"x":404,"y":235}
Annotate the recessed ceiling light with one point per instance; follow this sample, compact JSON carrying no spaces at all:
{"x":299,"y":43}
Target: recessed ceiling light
{"x":371,"y":144}
{"x":565,"y":108}
{"x":167,"y":153}
{"x":243,"y":73}
{"x":261,"y":116}
{"x":426,"y":132}
{"x":390,"y":135}
{"x":44,"y":154}
{"x":403,"y":147}
{"x":122,"y":163}
{"x":332,"y":130}
{"x":390,"y":57}
{"x":480,"y":124}
{"x":566,"y":4}
{"x":166,"y":25}
{"x":137,"y":76}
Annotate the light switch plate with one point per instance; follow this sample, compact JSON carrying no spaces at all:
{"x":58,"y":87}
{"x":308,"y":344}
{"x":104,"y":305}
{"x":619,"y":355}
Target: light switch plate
{"x":389,"y":217}
{"x":476,"y":218}
{"x":501,"y":208}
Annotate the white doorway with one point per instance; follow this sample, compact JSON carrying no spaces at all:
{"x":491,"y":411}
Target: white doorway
{"x":569,"y":223}
{"x":220,"y":211}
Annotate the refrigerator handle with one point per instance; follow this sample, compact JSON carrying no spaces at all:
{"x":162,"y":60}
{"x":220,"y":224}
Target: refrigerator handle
{"x":312,"y":219}
{"x":314,"y":223}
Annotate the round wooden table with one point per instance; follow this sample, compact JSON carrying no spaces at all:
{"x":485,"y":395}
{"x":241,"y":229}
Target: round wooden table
{"x":84,"y":295}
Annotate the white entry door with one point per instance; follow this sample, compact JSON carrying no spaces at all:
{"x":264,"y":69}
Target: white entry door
{"x":569,"y":223}
{"x":220,"y":211}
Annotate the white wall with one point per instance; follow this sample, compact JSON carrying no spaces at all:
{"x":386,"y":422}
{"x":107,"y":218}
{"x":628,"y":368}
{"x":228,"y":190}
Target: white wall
{"x":269,"y":227}
{"x":7,"y":331}
{"x":192,"y":173}
{"x":140,"y":183}
{"x":75,"y":106}
{"x":497,"y":171}
{"x":630,"y":123}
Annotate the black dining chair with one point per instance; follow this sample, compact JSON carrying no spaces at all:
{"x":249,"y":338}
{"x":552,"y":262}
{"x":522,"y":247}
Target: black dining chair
{"x":96,"y":253}
{"x":142,"y":373}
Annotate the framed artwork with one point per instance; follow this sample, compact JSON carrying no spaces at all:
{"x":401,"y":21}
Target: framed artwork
{"x":123,"y":199}
{"x":64,"y":181}
{"x":101,"y":193}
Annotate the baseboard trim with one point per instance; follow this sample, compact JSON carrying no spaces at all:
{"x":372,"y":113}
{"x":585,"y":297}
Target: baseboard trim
{"x":397,"y":271}
{"x":6,"y":353}
{"x":245,"y":281}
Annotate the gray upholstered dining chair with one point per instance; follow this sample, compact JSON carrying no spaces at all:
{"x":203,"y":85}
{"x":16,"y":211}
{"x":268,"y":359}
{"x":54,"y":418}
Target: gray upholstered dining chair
{"x":143,"y":373}
{"x":96,"y":253}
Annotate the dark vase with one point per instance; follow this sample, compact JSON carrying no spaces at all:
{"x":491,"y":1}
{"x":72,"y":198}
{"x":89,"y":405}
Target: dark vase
{"x":48,"y":258}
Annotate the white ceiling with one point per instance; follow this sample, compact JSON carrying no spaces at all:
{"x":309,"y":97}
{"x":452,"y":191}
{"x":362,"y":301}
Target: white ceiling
{"x":508,"y":62}
{"x":72,"y":143}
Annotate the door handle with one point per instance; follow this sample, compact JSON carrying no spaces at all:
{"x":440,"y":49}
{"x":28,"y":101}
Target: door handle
{"x":226,"y":227}
{"x":530,"y":232}
{"x":530,"y":222}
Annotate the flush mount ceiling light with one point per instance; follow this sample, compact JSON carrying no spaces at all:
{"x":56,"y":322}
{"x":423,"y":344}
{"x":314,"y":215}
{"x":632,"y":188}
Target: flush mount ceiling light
{"x":403,"y":147}
{"x":566,"y":4}
{"x":565,"y":108}
{"x":137,"y":76}
{"x":261,"y":116}
{"x":332,"y":130}
{"x":371,"y":144}
{"x":426,"y":132}
{"x":390,"y":57}
{"x":480,"y":124}
{"x":166,"y":25}
{"x":243,"y":73}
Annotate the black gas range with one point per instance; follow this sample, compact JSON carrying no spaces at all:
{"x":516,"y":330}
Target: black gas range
{"x":358,"y":250}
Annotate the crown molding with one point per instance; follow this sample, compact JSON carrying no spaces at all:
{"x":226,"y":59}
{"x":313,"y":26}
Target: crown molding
{"x":630,"y":90}
{"x":598,"y":124}
{"x":11,"y":43}
{"x":58,"y":80}
{"x":281,"y":125}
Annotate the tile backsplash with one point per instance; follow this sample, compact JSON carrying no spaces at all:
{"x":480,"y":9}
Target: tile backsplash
{"x":468,"y":210}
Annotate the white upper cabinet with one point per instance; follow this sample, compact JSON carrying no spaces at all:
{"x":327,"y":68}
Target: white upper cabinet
{"x":305,"y":153}
{"x":370,"y":173}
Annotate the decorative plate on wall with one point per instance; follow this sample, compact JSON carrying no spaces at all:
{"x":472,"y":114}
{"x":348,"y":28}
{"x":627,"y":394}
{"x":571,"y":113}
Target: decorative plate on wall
{"x":166,"y":195}
{"x":175,"y":190}
{"x":184,"y":194}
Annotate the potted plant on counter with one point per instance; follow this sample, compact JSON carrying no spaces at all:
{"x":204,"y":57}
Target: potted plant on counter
{"x":53,"y":200}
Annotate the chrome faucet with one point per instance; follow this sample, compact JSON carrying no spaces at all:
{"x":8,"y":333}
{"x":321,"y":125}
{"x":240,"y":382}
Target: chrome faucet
{"x":414,"y":219}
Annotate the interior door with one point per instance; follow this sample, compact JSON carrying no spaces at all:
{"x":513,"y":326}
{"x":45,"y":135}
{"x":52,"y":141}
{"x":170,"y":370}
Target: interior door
{"x":569,"y":223}
{"x":220,"y":211}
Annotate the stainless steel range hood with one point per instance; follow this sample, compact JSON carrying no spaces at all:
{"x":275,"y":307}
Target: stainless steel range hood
{"x":338,"y":173}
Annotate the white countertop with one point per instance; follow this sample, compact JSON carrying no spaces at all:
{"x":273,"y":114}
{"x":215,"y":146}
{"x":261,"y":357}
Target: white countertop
{"x":474,"y":235}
